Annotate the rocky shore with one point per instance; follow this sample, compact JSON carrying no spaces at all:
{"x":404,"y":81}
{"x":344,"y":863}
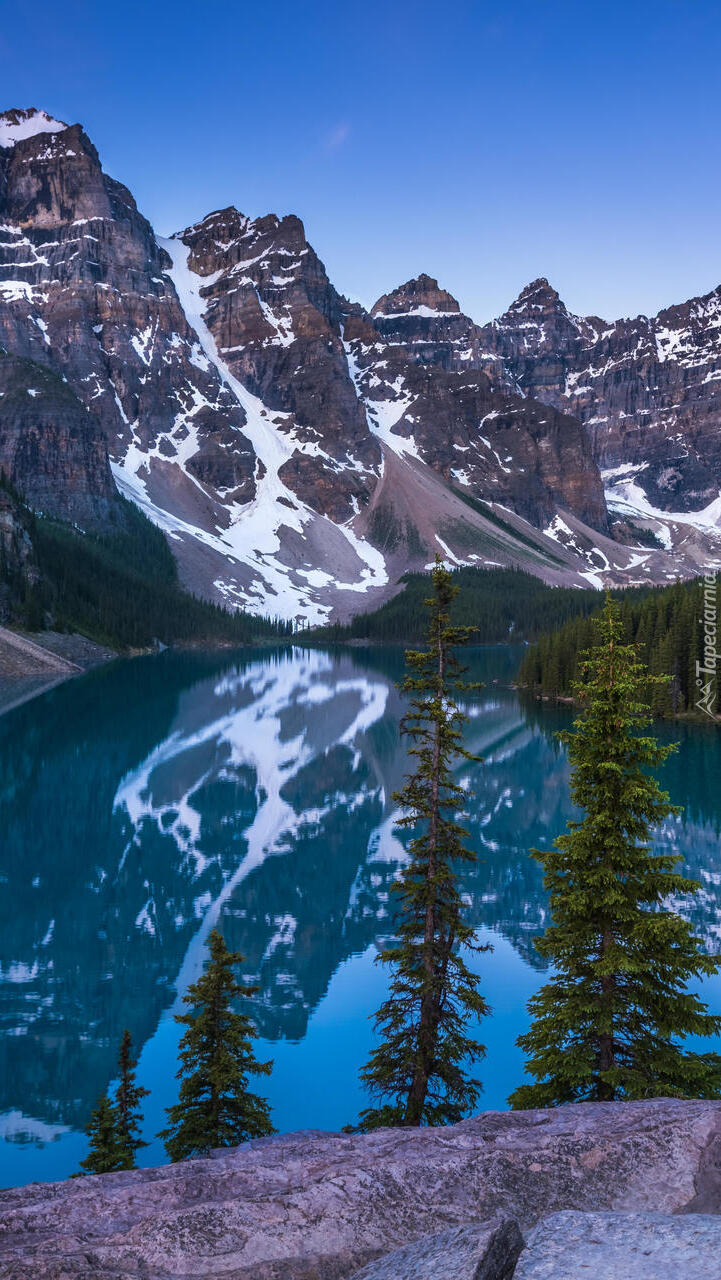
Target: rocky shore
{"x":606,"y":1190}
{"x":30,"y":665}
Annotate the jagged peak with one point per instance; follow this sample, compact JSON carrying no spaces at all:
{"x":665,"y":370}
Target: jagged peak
{"x":230,"y":224}
{"x":20,"y":123}
{"x":219,"y":220}
{"x":419,"y":296}
{"x":538,"y":294}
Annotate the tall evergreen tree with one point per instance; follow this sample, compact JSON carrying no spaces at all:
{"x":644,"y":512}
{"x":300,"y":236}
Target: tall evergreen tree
{"x":418,"y":1073}
{"x":114,"y":1127}
{"x":128,"y":1119}
{"x":609,"y":1023}
{"x":104,"y":1155}
{"x":215,"y":1107}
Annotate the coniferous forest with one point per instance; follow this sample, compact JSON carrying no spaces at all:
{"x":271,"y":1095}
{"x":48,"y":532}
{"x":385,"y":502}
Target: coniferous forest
{"x":120,"y":589}
{"x":500,"y":604}
{"x":666,"y":624}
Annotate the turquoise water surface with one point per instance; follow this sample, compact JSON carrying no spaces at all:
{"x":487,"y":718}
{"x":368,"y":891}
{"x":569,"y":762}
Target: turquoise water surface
{"x":145,"y":803}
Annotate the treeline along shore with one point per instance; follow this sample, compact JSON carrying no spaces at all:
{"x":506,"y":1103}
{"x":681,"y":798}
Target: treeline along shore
{"x":675,"y":629}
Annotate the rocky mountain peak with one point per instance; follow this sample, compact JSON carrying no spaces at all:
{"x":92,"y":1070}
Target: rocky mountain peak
{"x":228,"y":223}
{"x":420,"y":296}
{"x":227,"y":238}
{"x":538,"y":322}
{"x":538,"y":296}
{"x":50,"y":175}
{"x":25,"y":122}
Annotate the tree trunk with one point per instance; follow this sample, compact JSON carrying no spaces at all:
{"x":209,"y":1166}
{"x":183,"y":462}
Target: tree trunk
{"x":428,"y":1022}
{"x":605,"y":1091}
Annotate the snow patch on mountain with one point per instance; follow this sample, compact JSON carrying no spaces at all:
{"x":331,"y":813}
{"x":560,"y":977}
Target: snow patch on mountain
{"x":421,"y":310}
{"x":19,"y":124}
{"x":254,"y":533}
{"x":383,"y":415}
{"x":625,"y":495}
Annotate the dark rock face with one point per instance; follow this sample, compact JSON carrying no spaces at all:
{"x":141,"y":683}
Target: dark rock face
{"x":50,"y":447}
{"x":83,"y":290}
{"x":421,"y":374}
{"x":647,"y":390}
{"x":17,"y":556}
{"x":275,"y":318}
{"x":315,"y":1206}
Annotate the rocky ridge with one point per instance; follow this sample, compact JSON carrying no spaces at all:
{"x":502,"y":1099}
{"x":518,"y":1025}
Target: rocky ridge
{"x":421,"y":375}
{"x":647,"y":389}
{"x":301,"y":452}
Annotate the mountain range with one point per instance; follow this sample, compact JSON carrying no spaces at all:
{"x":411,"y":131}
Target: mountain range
{"x":301,"y":452}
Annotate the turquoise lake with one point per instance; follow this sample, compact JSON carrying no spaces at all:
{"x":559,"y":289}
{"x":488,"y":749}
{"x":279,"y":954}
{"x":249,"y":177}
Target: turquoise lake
{"x":146,"y":802}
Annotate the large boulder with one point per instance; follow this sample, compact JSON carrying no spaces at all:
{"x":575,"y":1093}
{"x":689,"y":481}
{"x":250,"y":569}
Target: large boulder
{"x":480,"y":1251}
{"x":322,"y":1205}
{"x":623,"y":1246}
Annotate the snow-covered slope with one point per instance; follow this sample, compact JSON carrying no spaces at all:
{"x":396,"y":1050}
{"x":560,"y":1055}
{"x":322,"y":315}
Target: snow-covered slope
{"x":16,"y":126}
{"x":265,"y":570}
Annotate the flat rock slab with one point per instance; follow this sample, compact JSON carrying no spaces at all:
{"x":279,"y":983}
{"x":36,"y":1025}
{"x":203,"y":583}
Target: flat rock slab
{"x":623,"y":1246}
{"x":479,"y":1251}
{"x":319,"y":1206}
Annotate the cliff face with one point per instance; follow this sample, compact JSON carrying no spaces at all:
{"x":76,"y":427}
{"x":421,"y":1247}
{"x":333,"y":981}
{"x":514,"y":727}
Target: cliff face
{"x":83,"y":290}
{"x":648,"y":390}
{"x":50,"y":447}
{"x":275,"y":319}
{"x":317,"y":1206}
{"x":427,"y":390}
{"x":17,"y":557}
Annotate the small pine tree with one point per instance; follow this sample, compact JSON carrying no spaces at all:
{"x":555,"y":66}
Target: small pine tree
{"x":608,"y":1024}
{"x":104,"y":1155}
{"x":418,"y":1073}
{"x":128,"y":1119}
{"x":215,"y":1108}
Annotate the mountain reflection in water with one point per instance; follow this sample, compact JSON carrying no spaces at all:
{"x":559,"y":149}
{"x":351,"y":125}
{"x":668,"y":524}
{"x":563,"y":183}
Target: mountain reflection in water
{"x":144,"y":804}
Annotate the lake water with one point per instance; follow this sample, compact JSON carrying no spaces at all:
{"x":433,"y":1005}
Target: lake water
{"x":145,"y":803}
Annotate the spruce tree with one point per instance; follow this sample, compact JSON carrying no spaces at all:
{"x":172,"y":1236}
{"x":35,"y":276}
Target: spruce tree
{"x":215,"y":1107}
{"x":609,"y":1023}
{"x":418,"y":1073}
{"x":128,"y":1119}
{"x":104,"y":1155}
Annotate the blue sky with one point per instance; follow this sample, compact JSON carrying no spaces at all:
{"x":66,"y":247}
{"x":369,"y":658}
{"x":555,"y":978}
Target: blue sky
{"x":484,"y":143}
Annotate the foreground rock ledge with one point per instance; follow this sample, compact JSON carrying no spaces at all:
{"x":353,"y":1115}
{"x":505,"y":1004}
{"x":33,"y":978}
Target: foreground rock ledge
{"x":622,"y":1246}
{"x":319,"y":1206}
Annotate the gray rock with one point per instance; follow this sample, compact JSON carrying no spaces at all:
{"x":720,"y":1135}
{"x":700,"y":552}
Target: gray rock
{"x":645,"y":388}
{"x":623,"y":1246}
{"x":319,"y":1206}
{"x":480,"y":1251}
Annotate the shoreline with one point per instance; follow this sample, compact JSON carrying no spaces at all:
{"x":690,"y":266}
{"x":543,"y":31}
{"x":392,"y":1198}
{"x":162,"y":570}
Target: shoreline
{"x":31,"y":665}
{"x":533,"y":694}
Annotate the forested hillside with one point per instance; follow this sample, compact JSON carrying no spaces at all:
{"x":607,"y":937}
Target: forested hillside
{"x":667,"y":624}
{"x":502,"y":604}
{"x":119,"y":588}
